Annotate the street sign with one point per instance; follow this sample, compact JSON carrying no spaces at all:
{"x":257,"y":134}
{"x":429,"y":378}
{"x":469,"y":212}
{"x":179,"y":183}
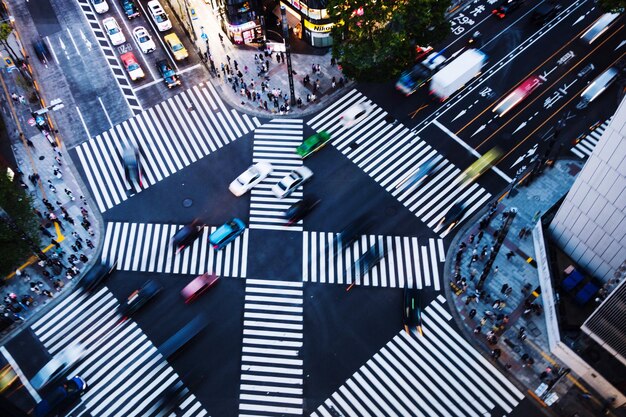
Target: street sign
{"x":32,"y":121}
{"x":204,"y":36}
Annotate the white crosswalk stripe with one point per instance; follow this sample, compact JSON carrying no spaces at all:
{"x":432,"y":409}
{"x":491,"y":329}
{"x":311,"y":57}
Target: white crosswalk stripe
{"x":275,"y":142}
{"x":271,"y":364}
{"x":145,"y":247}
{"x":437,"y":374}
{"x":588,"y":143}
{"x":125,"y":372}
{"x":170,"y":136}
{"x":408,"y":261}
{"x":390,"y":153}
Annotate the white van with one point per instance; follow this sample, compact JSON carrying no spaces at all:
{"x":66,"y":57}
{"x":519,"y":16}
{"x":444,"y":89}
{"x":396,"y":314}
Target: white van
{"x":159,"y":16}
{"x":599,"y":27}
{"x":597,"y":87}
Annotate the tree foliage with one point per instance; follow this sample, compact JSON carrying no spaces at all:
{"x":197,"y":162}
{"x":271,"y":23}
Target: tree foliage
{"x":612,"y":5}
{"x":18,"y":206}
{"x":375,"y":40}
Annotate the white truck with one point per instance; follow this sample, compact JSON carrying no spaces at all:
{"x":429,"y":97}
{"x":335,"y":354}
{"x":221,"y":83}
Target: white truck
{"x":457,"y":73}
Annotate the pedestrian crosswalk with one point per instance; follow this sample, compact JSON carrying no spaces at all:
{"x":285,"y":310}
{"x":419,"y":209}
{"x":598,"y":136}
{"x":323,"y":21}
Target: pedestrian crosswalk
{"x":170,"y":136}
{"x":587,"y":144}
{"x":145,"y":247}
{"x":125,"y":372}
{"x":275,"y":142}
{"x":437,"y":374}
{"x":408,"y":261}
{"x":390,"y":154}
{"x":271,"y":364}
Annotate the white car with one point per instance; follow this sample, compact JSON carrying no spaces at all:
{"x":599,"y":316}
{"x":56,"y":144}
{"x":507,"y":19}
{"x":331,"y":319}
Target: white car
{"x":114,"y":31}
{"x":101,"y":6}
{"x":57,"y":366}
{"x":292,"y":181}
{"x":144,"y":40}
{"x":159,"y":16}
{"x":250,"y":177}
{"x":356,"y":114}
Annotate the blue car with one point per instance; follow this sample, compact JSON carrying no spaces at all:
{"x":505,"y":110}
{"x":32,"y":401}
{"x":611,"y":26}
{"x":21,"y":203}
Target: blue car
{"x":170,"y":77}
{"x":59,"y":400}
{"x":226,"y":233}
{"x":130,"y":9}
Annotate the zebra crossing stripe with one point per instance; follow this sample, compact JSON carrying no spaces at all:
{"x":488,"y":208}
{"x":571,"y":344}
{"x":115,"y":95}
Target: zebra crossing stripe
{"x":408,"y":261}
{"x":145,"y":247}
{"x":170,"y":136}
{"x":390,"y":153}
{"x":271,"y":367}
{"x":438,"y":373}
{"x":587,"y":144}
{"x":124,"y":370}
{"x":275,"y":142}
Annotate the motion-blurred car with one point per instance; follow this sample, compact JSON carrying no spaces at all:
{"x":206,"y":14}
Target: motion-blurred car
{"x":139,"y":298}
{"x":96,"y":275}
{"x":368,"y":260}
{"x":176,"y":46}
{"x":100,"y":6}
{"x":132,"y":166}
{"x":198,"y":286}
{"x":7,"y":377}
{"x":545,"y":12}
{"x":452,"y":217}
{"x":169,"y":75}
{"x":356,"y":114}
{"x":130,"y":9}
{"x":250,"y":177}
{"x":506,"y":7}
{"x":353,"y":231}
{"x":597,"y":87}
{"x":42,"y":51}
{"x":421,"y":173}
{"x":135,"y":72}
{"x":61,"y":398}
{"x":57,"y":366}
{"x":113,"y":30}
{"x":159,"y":17}
{"x":187,"y":235}
{"x":313,"y":144}
{"x":300,"y":210}
{"x":226,"y":233}
{"x":291,"y":181}
{"x":144,"y":40}
{"x":412,"y":316}
{"x":422,"y":51}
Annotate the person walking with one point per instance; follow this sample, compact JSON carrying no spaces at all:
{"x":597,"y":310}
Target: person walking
{"x":509,"y":255}
{"x":472,"y":313}
{"x":52,"y":187}
{"x":480,"y":236}
{"x":496,"y":270}
{"x":504,"y":288}
{"x":69,"y":194}
{"x":89,"y":244}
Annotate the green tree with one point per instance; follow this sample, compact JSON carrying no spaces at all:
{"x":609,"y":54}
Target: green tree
{"x":375,"y":40}
{"x":612,"y":5}
{"x":18,"y":206}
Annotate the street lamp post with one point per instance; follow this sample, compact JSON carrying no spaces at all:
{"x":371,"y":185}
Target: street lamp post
{"x":283,"y":13}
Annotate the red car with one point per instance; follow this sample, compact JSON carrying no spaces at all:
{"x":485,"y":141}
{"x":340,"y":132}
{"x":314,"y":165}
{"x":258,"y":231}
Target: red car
{"x":520,"y":93}
{"x":506,"y":7}
{"x":132,"y":66}
{"x":198,"y":286}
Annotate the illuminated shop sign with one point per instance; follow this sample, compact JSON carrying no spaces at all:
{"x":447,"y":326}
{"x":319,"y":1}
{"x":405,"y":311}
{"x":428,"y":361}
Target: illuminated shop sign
{"x":318,"y":28}
{"x":317,"y":14}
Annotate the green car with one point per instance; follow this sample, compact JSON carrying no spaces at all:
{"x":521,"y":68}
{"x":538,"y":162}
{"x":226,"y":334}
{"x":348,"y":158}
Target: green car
{"x":312,"y":144}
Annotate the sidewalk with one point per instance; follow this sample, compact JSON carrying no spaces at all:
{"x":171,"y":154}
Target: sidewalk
{"x":505,"y":318}
{"x":70,"y":232}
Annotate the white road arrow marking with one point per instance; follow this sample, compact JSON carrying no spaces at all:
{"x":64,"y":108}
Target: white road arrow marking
{"x":87,"y":43}
{"x":461,"y":113}
{"x":480,"y":129}
{"x":521,"y":126}
{"x":528,"y":154}
{"x":620,"y":45}
{"x":579,"y":19}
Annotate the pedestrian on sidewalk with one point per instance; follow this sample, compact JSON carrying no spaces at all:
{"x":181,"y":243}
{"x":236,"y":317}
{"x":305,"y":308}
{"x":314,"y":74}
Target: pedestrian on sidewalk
{"x":496,"y":270}
{"x":536,"y":216}
{"x":83,"y":258}
{"x":45,"y":231}
{"x":508,"y":291}
{"x":509,"y":255}
{"x":477,"y":329}
{"x":23,"y":100}
{"x":89,"y":244}
{"x":69,"y":219}
{"x":235,"y":64}
{"x":228,"y":58}
{"x":480,"y":236}
{"x":76,"y":236}
{"x":78,"y":244}
{"x":471,"y":238}
{"x":472,"y":313}
{"x":69,"y":194}
{"x":521,"y":233}
{"x":52,"y":187}
{"x":29,"y":142}
{"x":15,"y":97}
{"x":90,"y":231}
{"x":504,"y":288}
{"x":496,"y":353}
{"x":48,"y":205}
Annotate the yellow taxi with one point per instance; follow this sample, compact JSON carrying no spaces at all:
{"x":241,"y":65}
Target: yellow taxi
{"x":176,"y":46}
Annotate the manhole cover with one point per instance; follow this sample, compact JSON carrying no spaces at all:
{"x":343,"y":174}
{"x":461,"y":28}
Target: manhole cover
{"x":188,"y":202}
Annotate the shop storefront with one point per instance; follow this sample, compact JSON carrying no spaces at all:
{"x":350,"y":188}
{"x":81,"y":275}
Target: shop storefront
{"x":309,"y":20}
{"x":241,"y":20}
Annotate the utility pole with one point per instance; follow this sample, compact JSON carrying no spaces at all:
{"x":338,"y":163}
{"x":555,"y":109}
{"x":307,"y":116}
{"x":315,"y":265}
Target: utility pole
{"x":283,"y":13}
